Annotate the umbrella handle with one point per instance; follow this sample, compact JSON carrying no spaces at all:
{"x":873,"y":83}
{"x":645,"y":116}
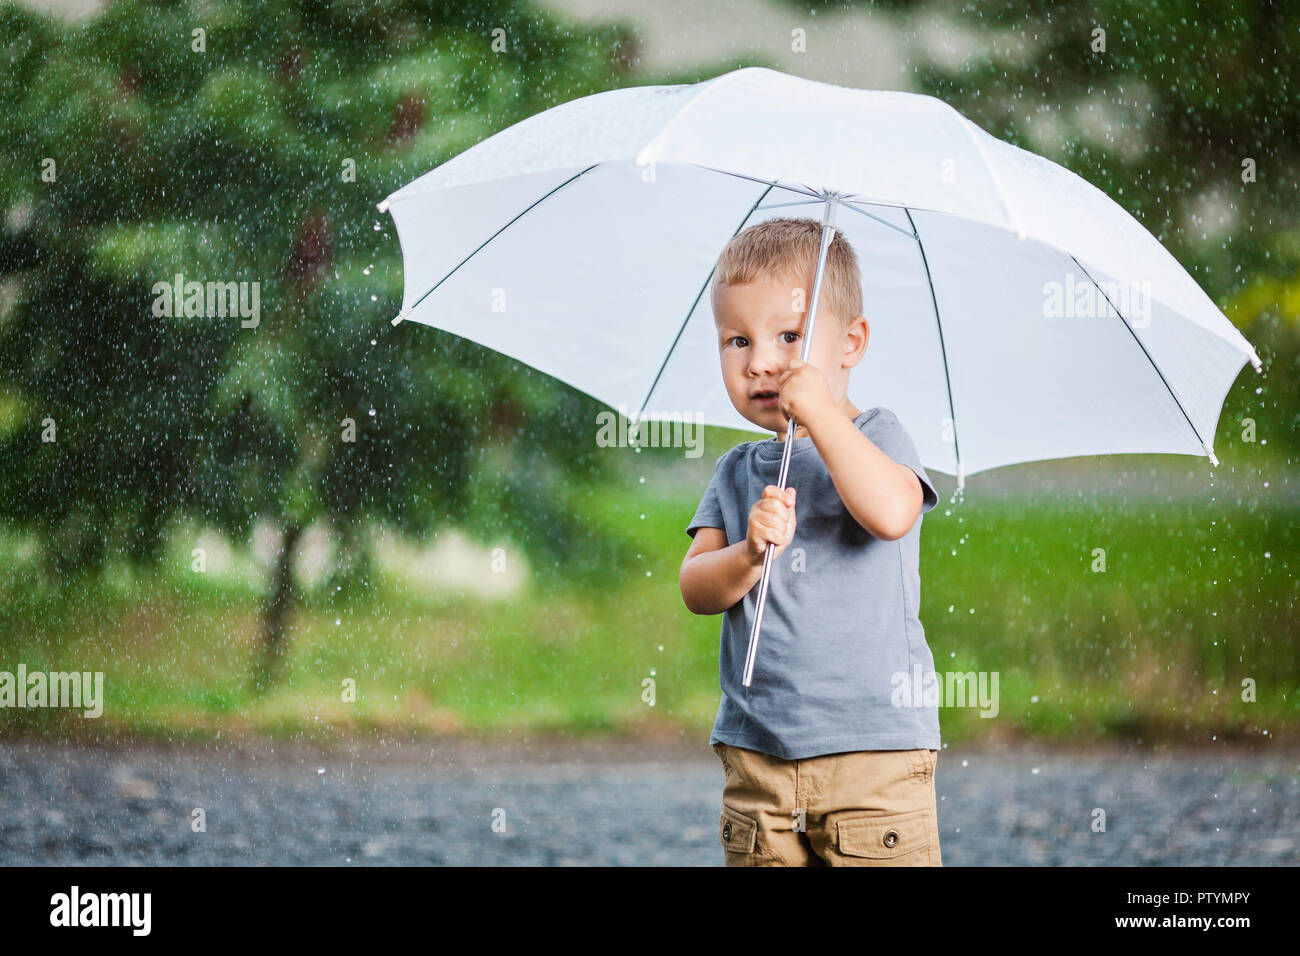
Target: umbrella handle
{"x":828,"y":233}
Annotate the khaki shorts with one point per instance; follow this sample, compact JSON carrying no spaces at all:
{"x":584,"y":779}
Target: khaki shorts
{"x":862,"y":808}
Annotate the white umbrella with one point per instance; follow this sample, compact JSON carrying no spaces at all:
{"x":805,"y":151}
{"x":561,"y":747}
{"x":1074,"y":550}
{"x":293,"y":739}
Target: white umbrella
{"x":1017,"y":313}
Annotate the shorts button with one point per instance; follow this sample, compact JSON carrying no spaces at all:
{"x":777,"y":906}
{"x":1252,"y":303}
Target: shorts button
{"x":726,"y":831}
{"x":891,"y":838}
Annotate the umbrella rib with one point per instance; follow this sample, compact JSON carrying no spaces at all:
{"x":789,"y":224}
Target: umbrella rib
{"x":943,"y":351}
{"x":801,"y":202}
{"x":805,"y":191}
{"x":691,"y":311}
{"x":1136,"y":339}
{"x":497,"y":233}
{"x":883,"y":222}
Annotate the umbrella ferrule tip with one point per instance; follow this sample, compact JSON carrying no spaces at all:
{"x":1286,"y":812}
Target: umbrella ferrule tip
{"x":401,"y":315}
{"x":382,"y":206}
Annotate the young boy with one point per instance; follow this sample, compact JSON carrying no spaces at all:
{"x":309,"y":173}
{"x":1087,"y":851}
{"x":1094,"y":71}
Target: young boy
{"x":822,"y":768}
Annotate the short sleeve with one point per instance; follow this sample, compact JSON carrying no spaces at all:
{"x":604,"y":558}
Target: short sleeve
{"x":709,"y":513}
{"x":888,"y":434}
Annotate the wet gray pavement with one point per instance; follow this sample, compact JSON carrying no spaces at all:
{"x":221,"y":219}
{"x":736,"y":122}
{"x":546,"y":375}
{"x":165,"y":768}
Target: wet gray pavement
{"x":555,"y":802}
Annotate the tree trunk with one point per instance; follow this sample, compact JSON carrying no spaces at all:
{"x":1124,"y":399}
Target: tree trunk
{"x":279,"y":602}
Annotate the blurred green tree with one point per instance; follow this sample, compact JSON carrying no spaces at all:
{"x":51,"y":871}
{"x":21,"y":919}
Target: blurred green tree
{"x":248,"y":142}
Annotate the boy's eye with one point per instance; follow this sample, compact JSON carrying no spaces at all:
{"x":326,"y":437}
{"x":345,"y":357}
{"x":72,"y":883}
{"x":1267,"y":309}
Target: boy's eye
{"x":742,"y":341}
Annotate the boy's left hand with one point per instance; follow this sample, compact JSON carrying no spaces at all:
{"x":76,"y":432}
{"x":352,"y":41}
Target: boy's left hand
{"x":805,"y":393}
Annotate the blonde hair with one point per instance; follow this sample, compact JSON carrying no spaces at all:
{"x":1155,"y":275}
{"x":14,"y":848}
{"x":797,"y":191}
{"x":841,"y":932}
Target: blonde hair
{"x":787,"y":248}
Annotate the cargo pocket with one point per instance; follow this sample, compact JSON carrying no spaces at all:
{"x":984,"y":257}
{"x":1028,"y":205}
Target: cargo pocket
{"x":737,"y":832}
{"x":894,"y":839}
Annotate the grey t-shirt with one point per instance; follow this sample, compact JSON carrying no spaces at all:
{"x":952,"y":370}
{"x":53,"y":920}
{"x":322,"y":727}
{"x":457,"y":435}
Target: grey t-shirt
{"x":841,"y":622}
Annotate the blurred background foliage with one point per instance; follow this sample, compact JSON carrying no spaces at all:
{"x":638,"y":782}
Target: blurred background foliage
{"x":233,"y":164}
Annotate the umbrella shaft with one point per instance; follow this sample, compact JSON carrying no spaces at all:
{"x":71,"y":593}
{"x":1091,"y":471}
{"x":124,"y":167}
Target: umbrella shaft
{"x":767,"y":566}
{"x":828,"y":233}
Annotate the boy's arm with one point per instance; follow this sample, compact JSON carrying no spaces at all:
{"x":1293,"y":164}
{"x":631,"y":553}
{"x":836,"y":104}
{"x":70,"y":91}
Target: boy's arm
{"x":883,"y":496}
{"x":715,"y":575}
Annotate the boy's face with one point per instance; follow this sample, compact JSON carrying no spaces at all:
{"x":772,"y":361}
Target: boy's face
{"x":760,"y":331}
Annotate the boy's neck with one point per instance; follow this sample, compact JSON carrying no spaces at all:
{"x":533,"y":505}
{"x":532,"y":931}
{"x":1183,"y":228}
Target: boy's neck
{"x":843,"y":405}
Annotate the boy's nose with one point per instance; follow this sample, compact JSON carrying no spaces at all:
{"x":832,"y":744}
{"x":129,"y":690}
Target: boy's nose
{"x":763,"y":361}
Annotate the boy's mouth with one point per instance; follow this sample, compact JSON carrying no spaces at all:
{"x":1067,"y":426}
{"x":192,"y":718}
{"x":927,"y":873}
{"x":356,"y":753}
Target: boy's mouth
{"x":766,"y":399}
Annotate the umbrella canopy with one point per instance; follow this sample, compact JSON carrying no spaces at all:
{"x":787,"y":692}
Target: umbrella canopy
{"x":1017,"y":313}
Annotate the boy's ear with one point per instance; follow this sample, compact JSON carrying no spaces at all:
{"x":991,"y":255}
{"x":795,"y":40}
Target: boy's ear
{"x":855,"y":340}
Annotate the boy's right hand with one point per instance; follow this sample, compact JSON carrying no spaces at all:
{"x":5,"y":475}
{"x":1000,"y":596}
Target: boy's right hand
{"x":771,"y":519}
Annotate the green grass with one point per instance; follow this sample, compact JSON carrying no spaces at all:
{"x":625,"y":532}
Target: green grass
{"x":1155,"y":647}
